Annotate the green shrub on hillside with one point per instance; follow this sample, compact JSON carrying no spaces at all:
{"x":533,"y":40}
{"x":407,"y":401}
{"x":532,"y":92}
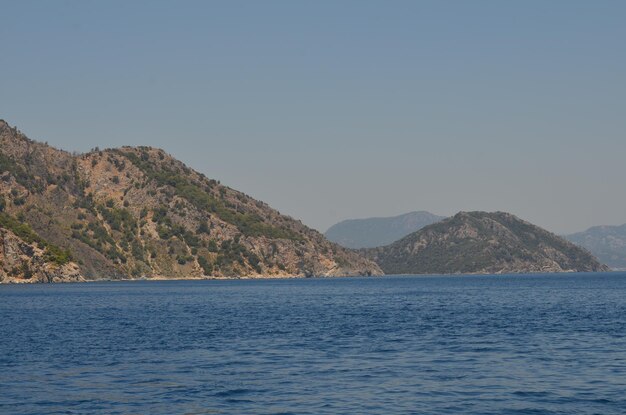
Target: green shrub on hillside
{"x":57,"y":255}
{"x":213,"y":246}
{"x":248,"y":224}
{"x":117,"y":218}
{"x":21,"y":176}
{"x":203,"y":228}
{"x":206,"y":266}
{"x":52,"y":252}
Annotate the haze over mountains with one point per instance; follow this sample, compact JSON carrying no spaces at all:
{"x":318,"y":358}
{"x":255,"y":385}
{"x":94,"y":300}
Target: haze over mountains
{"x":373,"y":232}
{"x":608,"y":243}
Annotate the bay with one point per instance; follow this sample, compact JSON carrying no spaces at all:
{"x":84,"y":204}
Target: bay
{"x":515,"y":344}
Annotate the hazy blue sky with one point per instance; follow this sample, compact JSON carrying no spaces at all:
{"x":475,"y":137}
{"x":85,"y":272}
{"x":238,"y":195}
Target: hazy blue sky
{"x":342,"y":109}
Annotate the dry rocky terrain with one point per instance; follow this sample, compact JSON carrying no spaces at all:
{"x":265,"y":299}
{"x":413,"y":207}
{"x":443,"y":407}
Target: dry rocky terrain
{"x":136,"y":212}
{"x":139,"y":213}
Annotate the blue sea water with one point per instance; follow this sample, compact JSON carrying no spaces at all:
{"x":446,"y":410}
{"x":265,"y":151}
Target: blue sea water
{"x":540,"y":344}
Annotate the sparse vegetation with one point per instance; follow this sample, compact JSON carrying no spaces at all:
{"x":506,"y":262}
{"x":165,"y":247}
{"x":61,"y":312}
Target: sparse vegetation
{"x":110,"y":226}
{"x":21,"y":176}
{"x":248,"y":224}
{"x":206,"y":266}
{"x":52,"y":252}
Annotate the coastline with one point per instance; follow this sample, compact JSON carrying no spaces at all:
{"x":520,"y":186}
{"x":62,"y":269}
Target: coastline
{"x":161,"y":278}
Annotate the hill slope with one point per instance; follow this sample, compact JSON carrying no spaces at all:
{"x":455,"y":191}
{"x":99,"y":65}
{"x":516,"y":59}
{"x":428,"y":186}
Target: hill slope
{"x":608,"y":243}
{"x":480,"y":242}
{"x":25,"y":257}
{"x":137,"y":212}
{"x":373,"y":232}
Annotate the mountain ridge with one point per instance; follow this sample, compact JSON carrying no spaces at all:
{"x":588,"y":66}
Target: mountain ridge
{"x":607,"y":242}
{"x":378,"y":231}
{"x":482,"y":243}
{"x":136,"y":212}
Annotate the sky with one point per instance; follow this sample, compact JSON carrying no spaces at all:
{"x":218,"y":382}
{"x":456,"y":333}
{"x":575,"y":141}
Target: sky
{"x":329,"y":110}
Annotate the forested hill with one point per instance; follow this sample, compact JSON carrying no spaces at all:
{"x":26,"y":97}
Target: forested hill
{"x":483,"y":243}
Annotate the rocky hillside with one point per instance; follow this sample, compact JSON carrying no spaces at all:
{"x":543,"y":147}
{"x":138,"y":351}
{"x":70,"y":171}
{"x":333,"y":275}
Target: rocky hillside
{"x":25,"y":257}
{"x":373,"y":232}
{"x":608,"y":243}
{"x":484,"y":243}
{"x":139,"y":213}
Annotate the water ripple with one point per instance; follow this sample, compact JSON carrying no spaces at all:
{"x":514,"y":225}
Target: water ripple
{"x":428,"y":345}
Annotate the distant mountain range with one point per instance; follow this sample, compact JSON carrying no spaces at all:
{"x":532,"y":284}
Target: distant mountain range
{"x":483,"y":243}
{"x":373,"y":232}
{"x":608,"y":243}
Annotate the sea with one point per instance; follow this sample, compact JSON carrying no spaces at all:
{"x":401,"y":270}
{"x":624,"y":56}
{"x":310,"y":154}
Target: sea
{"x":505,"y":344}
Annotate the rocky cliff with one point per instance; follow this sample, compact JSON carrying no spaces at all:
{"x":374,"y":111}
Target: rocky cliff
{"x":24,"y":257}
{"x":139,"y":213}
{"x":483,"y":243}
